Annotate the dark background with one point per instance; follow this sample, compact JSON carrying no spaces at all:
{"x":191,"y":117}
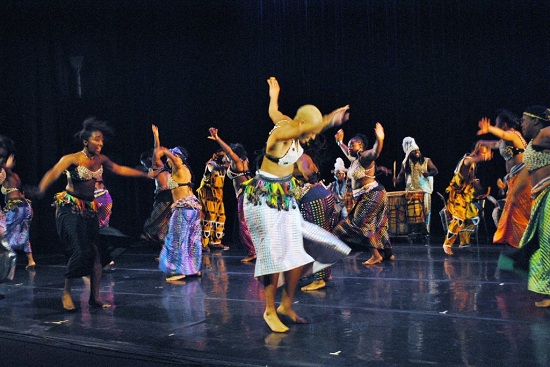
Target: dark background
{"x":425,"y":68}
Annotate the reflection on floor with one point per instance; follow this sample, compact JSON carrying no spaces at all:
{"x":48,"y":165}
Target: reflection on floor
{"x":423,"y":308}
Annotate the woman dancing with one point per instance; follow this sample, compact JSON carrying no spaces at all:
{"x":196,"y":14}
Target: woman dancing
{"x":277,"y":229}
{"x":515,"y":214}
{"x":76,"y":215}
{"x":367,"y":223}
{"x":18,"y":210}
{"x":181,"y":254}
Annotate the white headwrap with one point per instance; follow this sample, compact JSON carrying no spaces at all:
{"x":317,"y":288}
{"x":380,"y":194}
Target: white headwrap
{"x":409,"y":144}
{"x":339,"y":166}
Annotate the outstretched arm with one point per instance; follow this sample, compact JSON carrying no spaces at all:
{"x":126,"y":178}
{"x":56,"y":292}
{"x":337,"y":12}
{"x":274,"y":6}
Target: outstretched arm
{"x":485,"y":127}
{"x":125,"y":170}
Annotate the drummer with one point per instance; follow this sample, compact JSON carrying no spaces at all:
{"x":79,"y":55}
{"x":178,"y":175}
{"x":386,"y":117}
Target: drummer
{"x":417,"y":171}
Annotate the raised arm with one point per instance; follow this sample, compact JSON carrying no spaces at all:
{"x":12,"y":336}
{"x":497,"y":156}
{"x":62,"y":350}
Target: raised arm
{"x":339,"y":136}
{"x":157,"y":162}
{"x":226,"y":148}
{"x":274,"y":90}
{"x":373,"y":153}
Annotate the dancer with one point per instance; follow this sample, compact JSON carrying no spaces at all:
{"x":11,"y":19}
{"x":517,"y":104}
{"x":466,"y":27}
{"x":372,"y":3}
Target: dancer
{"x":367,"y":223}
{"x":276,"y":226}
{"x":156,"y":226}
{"x":18,"y":211}
{"x":181,"y":255}
{"x":533,"y":256}
{"x":463,"y":189}
{"x":76,"y":211}
{"x":316,"y":206}
{"x":418,"y":171}
{"x":515,"y":214}
{"x":237,"y":172}
{"x":210,"y":193}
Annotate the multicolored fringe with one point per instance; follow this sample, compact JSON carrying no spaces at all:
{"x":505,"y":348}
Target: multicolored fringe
{"x":79,"y":205}
{"x":13,"y":204}
{"x":277,"y":193}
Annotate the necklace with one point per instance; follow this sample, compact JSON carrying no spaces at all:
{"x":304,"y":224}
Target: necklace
{"x":87,"y":156}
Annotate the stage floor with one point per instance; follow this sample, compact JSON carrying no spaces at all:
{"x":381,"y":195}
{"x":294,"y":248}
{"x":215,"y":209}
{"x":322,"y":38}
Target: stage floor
{"x":423,"y":308}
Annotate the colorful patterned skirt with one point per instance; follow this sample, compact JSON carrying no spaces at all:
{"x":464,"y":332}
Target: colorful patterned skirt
{"x":367,"y":224}
{"x":18,"y":222}
{"x":182,"y":250}
{"x":317,"y":206}
{"x":532,"y":259}
{"x":8,"y":258}
{"x":282,"y":238}
{"x":517,"y":209}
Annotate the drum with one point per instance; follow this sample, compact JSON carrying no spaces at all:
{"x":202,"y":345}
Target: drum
{"x":415,"y":207}
{"x":397,"y":213}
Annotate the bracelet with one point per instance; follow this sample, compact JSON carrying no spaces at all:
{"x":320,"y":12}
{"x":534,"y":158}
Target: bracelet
{"x":338,"y":142}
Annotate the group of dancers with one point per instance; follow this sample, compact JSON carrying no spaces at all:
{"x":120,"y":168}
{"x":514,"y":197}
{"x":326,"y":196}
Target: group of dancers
{"x":289,"y":222}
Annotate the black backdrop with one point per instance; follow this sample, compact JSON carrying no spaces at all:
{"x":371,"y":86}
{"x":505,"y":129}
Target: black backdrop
{"x":425,"y":68}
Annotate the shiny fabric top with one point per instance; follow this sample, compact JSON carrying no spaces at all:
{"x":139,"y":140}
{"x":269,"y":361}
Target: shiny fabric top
{"x":293,"y":153}
{"x":356,"y":171}
{"x":6,"y":190}
{"x":535,"y":159}
{"x":81,"y":173}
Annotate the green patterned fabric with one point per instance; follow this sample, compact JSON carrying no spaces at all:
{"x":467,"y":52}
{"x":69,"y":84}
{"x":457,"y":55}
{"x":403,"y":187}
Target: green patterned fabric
{"x":537,"y":234}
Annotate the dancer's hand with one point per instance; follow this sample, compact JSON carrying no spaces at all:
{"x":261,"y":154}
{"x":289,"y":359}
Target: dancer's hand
{"x":339,"y":136}
{"x":484,"y":125}
{"x":155,"y":130}
{"x":274,"y":88}
{"x":379,"y":131}
{"x":213,"y":133}
{"x":10,"y":162}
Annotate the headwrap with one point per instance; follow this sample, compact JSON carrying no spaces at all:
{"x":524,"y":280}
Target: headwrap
{"x":409,"y":145}
{"x":177,"y":151}
{"x":538,"y":112}
{"x":339,"y":166}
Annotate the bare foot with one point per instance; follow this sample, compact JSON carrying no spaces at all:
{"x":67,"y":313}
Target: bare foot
{"x":392,"y":257}
{"x":30,"y":266}
{"x":313,"y":286}
{"x":373,"y":260}
{"x":543,"y":303}
{"x":68,"y":302}
{"x":275,"y":323}
{"x":98,"y":304}
{"x":447,"y":249}
{"x":248,"y":259}
{"x":175,"y":277}
{"x":281,"y":310}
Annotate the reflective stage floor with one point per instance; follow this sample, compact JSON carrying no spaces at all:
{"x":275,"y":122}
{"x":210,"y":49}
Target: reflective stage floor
{"x":423,"y":308}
